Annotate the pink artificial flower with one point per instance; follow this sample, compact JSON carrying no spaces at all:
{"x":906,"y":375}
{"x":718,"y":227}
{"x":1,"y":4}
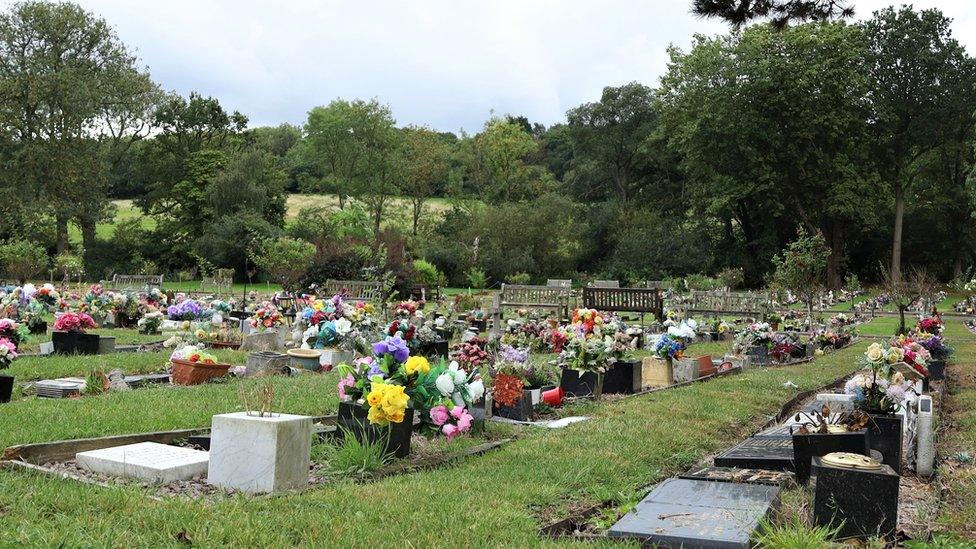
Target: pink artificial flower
{"x":464,"y":422}
{"x":347,"y":381}
{"x":457,"y":412}
{"x":439,"y":415}
{"x":450,"y":430}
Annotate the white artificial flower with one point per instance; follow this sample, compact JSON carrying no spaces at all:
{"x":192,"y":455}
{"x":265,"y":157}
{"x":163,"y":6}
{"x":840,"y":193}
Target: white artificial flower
{"x":445,"y":384}
{"x":343,"y":326}
{"x":512,"y":323}
{"x":476,"y":390}
{"x":692,"y":323}
{"x":439,"y":322}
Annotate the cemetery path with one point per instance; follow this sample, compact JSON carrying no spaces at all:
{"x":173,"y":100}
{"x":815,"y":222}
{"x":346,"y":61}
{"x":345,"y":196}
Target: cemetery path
{"x":491,"y":498}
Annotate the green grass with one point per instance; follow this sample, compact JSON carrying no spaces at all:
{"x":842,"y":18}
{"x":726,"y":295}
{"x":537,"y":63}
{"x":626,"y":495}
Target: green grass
{"x":882,"y":326}
{"x":958,"y":513}
{"x":490,"y":499}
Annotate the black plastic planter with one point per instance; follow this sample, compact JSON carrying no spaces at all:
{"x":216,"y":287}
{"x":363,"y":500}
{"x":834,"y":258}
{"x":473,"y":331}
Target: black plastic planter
{"x":437,"y":349}
{"x":480,"y":324}
{"x":936,"y":369}
{"x":522,"y":411}
{"x":885,"y":435}
{"x":6,"y":388}
{"x":624,"y":377}
{"x":75,"y":343}
{"x":38,"y":328}
{"x":576,"y":383}
{"x":352,"y":418}
{"x":806,"y":447}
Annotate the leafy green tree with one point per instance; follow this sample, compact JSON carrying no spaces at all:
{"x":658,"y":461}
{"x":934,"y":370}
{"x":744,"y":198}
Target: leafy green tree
{"x":500,"y":166}
{"x":286,"y":259}
{"x":425,"y":167}
{"x":330,"y":144}
{"x":65,"y":79}
{"x":802,"y":268}
{"x":921,"y":99}
{"x":22,"y":259}
{"x":612,"y":142}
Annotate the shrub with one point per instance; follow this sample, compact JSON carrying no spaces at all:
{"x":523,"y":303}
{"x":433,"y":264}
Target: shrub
{"x":477,"y":278}
{"x":287,"y":259}
{"x":425,"y":273}
{"x":518,"y":278}
{"x":22,"y":259}
{"x":69,"y":264}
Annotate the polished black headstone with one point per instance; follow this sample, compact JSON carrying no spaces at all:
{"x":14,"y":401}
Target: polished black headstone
{"x":806,"y":447}
{"x":885,"y":435}
{"x":774,"y":454}
{"x":866,"y":501}
{"x":698,"y":513}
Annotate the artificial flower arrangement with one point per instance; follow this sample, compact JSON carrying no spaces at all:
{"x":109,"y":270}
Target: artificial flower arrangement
{"x":508,"y":376}
{"x":444,"y":394}
{"x":930,"y":325}
{"x":408,"y":308}
{"x":912,"y":353}
{"x":32,"y":315}
{"x":13,"y":332}
{"x":150,"y":322}
{"x":538,"y":335}
{"x":74,"y":322}
{"x":192,"y":353}
{"x":473,"y":353}
{"x":8,"y":352}
{"x":594,"y":342}
{"x":48,"y":296}
{"x":95,"y":302}
{"x":152,"y":300}
{"x":380,"y":383}
{"x":337,"y":323}
{"x":883,"y":388}
{"x":936,"y":345}
{"x":757,"y":334}
{"x":786,"y":346}
{"x":266,"y":317}
{"x":185,"y":309}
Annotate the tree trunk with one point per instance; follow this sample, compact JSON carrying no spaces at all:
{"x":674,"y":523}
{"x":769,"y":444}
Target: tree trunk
{"x":87,"y":235}
{"x":417,"y":206}
{"x":957,"y":268}
{"x":901,"y":320}
{"x":61,"y":223}
{"x":834,"y":281}
{"x":896,"y":237}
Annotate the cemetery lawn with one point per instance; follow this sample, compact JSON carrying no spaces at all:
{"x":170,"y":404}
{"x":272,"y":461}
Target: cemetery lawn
{"x":958,"y":475}
{"x":502,"y":497}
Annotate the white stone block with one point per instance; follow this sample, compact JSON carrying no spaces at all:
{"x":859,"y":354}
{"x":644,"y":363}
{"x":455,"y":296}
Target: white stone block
{"x":149,"y":461}
{"x":260,"y":454}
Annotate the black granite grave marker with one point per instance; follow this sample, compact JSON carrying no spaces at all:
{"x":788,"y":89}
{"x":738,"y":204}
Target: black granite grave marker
{"x":866,"y":501}
{"x":774,"y":454}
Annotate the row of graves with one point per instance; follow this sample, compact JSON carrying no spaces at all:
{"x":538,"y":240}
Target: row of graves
{"x":408,"y":375}
{"x":863,"y":450}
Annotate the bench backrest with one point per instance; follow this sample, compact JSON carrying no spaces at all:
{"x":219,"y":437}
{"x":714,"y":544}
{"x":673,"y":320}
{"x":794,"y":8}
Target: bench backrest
{"x":606,"y":284}
{"x":136,"y":282}
{"x":631,"y":300}
{"x":361,"y":290}
{"x":559,"y":282}
{"x":719,"y":302}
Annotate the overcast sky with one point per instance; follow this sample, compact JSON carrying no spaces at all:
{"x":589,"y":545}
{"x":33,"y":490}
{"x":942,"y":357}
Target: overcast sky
{"x":446,"y":64}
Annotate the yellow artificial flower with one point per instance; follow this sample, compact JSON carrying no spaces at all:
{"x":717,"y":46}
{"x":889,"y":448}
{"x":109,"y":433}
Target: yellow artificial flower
{"x":377,"y":417}
{"x":875,"y":353}
{"x":375,"y":396}
{"x":396,"y":417}
{"x":416,"y":364}
{"x":394,"y":399}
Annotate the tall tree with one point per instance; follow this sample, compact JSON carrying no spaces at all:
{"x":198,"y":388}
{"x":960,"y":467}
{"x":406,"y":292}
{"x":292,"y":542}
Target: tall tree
{"x":611,"y":140}
{"x":425,"y":167}
{"x":779,"y":12}
{"x":922,"y":100}
{"x":330,"y":145}
{"x":64,"y":78}
{"x":501,"y":167}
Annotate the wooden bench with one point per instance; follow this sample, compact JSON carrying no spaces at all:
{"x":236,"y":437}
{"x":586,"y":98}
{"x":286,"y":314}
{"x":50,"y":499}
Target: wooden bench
{"x":221,"y":282}
{"x":716,"y":303}
{"x":559,"y":283}
{"x":357,"y":290}
{"x":135,"y":282}
{"x":630,"y":300}
{"x":555,"y":298}
{"x":419,"y":291}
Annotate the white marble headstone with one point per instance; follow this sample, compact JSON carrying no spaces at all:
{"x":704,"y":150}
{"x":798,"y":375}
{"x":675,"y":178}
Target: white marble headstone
{"x":149,"y":461}
{"x":260,"y":454}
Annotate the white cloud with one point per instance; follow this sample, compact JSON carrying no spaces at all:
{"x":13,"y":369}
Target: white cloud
{"x":437,"y":62}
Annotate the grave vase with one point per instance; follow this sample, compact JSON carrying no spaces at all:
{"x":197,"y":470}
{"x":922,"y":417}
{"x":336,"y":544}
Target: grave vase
{"x":38,"y":328}
{"x":71,"y":343}
{"x":396,"y":436}
{"x":885,"y":433}
{"x":580,"y":383}
{"x":6,"y":388}
{"x":936,"y":369}
{"x":758,"y":354}
{"x":521,"y":411}
{"x":806,"y":447}
{"x":623,"y":377}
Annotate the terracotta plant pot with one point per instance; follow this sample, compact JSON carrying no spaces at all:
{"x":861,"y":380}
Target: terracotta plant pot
{"x":195,"y":373}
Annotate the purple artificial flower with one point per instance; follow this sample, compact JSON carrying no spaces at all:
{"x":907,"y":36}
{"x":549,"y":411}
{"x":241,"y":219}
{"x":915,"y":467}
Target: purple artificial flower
{"x":395,"y":346}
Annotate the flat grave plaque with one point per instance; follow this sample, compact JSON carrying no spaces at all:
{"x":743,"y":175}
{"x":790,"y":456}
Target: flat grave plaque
{"x":774,"y":454}
{"x":697,"y":513}
{"x":776,"y":431}
{"x":744,"y":476}
{"x":147,"y":461}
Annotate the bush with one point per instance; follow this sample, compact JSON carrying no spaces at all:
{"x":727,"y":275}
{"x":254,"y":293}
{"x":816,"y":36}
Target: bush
{"x":518,"y":278}
{"x":477,"y":278}
{"x":426,"y":274}
{"x":69,"y":264}
{"x":22,"y":259}
{"x":287,"y":259}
